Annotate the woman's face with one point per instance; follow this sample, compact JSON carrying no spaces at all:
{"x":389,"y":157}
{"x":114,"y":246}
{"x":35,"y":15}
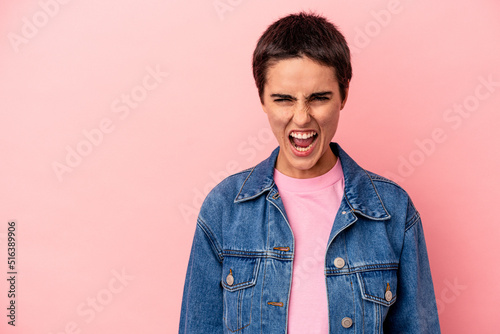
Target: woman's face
{"x":302,"y":101}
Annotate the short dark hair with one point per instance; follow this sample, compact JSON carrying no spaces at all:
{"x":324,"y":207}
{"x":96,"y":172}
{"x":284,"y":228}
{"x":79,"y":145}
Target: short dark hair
{"x":298,"y":35}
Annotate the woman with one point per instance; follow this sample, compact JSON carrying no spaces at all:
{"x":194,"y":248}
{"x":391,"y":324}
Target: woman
{"x":307,"y":241}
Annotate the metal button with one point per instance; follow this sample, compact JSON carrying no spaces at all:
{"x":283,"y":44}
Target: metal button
{"x":339,"y":262}
{"x":388,"y":296}
{"x":346,"y":322}
{"x":230,"y":278}
{"x":388,"y":293}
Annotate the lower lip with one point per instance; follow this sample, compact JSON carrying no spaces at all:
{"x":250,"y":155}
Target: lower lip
{"x":302,"y":154}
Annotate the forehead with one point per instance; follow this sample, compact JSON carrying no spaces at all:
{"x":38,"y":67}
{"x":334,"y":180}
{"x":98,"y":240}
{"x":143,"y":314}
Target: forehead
{"x":301,"y":75}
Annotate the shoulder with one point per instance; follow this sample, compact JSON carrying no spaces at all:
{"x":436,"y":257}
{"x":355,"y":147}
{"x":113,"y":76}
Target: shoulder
{"x":384,"y":182}
{"x":223,"y":195}
{"x":394,"y":197}
{"x":230,"y":186}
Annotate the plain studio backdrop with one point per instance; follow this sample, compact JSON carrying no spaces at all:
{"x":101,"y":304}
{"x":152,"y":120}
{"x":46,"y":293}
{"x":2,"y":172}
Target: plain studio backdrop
{"x":117,"y":118}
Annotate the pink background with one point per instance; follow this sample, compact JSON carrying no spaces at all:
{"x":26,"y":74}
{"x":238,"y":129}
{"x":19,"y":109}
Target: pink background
{"x":126,"y":207}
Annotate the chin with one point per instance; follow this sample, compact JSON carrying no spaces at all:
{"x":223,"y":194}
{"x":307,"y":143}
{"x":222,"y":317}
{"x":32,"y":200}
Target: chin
{"x":305,"y":166}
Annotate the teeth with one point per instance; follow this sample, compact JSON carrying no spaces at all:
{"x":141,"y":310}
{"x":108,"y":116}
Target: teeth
{"x":303,"y":149}
{"x":303,"y":135}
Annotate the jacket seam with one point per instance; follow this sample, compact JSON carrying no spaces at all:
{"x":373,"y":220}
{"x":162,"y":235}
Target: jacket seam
{"x":246,"y":179}
{"x":211,"y":237}
{"x":416,"y":216}
{"x":262,"y":254}
{"x":412,"y":222}
{"x":376,"y":191}
{"x":262,"y":292}
{"x":265,"y":270}
{"x":376,"y":177}
{"x":371,"y":267}
{"x":373,"y":298}
{"x":238,"y":173}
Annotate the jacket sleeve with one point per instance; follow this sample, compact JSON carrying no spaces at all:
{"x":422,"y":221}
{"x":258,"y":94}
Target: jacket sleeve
{"x":415,"y":309}
{"x":201,"y":310}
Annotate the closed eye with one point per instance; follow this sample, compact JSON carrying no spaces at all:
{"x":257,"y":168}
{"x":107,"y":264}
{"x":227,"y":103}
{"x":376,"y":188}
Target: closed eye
{"x":319,"y":98}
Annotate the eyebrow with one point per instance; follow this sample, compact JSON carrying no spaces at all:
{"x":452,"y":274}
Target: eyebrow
{"x":286,"y":96}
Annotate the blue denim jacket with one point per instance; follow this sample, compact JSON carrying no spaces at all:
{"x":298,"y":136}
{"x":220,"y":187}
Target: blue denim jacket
{"x":377,"y":271}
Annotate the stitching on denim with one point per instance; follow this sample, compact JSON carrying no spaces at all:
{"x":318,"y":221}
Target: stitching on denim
{"x":376,"y":191}
{"x":282,"y":213}
{"x":240,"y":295}
{"x":345,"y":227}
{"x":292,"y":257}
{"x":378,"y":315}
{"x":238,"y":173}
{"x":331,"y":272}
{"x":382,"y":300}
{"x":361,"y":288}
{"x":347,"y":201}
{"x":238,"y":286}
{"x":239,"y":192}
{"x":416,"y":216}
{"x":251,"y":303}
{"x":371,"y":217}
{"x":256,"y":268}
{"x":350,"y":278}
{"x":371,"y":267}
{"x":265,"y":256}
{"x":380,"y":178}
{"x":380,"y":199}
{"x":265,"y":266}
{"x":346,"y":254}
{"x":378,"y":299}
{"x":412,"y":221}
{"x":210,"y":234}
{"x":280,"y":304}
{"x":236,"y":330}
{"x":260,"y":254}
{"x":245,"y":284}
{"x":409,"y":223}
{"x":254,"y":196}
{"x":211,"y":237}
{"x":262,"y":292}
{"x":239,"y":314}
{"x":353,"y":301}
{"x":225,"y":307}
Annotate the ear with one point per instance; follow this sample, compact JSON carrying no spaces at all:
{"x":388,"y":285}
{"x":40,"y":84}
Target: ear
{"x":345,"y":98}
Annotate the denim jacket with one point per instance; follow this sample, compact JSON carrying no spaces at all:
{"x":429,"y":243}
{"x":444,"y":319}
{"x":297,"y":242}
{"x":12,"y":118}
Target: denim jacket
{"x":377,"y":271}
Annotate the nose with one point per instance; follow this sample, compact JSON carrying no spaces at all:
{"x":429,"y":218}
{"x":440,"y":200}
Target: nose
{"x":301,"y":114}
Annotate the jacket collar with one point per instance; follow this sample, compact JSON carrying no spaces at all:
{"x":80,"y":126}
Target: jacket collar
{"x":360,"y":192}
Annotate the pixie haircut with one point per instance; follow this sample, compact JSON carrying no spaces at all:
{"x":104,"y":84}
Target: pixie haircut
{"x":299,"y":35}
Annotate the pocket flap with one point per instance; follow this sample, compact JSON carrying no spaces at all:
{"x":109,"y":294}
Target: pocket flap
{"x":379,"y":286}
{"x":239,"y":272}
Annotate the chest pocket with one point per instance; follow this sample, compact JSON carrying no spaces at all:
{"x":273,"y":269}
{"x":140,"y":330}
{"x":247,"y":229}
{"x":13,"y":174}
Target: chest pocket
{"x":239,"y":275}
{"x":379,"y":292}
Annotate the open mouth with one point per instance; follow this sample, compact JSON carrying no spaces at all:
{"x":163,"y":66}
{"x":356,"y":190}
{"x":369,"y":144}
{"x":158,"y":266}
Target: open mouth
{"x":302,"y":141}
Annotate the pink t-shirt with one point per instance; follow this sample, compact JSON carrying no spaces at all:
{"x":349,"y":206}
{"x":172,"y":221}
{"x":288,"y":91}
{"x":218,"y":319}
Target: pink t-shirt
{"x":311,"y":206}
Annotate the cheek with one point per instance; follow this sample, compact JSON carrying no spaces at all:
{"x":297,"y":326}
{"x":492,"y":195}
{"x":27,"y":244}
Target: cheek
{"x":329,"y":124}
{"x":277,"y":120}
{"x":276,"y":125}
